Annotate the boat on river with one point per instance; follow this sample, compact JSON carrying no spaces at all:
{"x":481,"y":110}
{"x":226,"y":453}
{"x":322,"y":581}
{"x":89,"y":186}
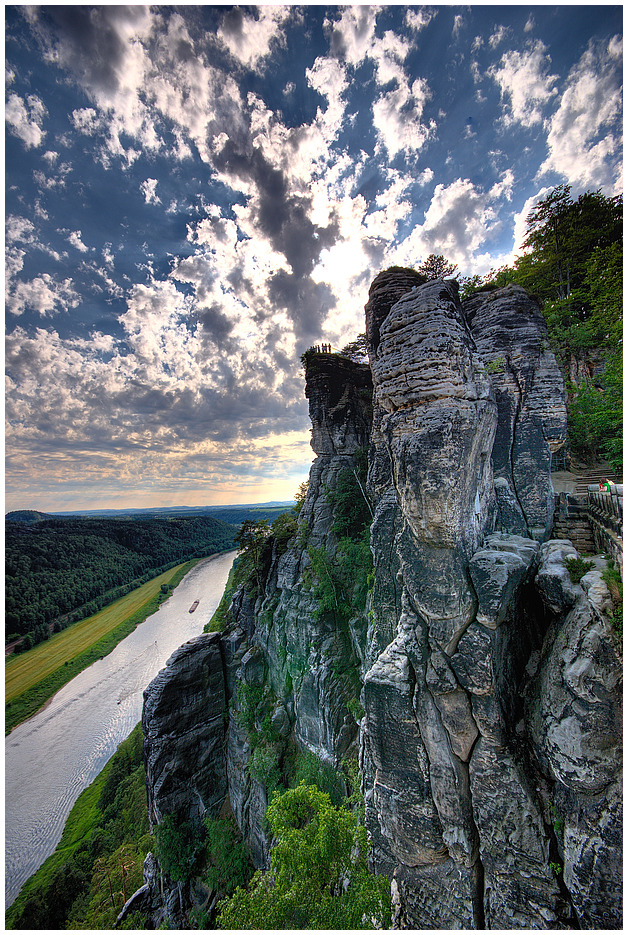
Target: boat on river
{"x":193,"y":607}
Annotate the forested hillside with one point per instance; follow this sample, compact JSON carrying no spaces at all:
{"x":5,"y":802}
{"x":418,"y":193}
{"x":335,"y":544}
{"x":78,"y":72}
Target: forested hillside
{"x":573,"y":264}
{"x":64,"y":568}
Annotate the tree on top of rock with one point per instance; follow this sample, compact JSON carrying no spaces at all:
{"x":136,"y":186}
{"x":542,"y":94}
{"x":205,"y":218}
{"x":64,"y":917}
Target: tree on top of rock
{"x":437,"y":267}
{"x":356,"y":350}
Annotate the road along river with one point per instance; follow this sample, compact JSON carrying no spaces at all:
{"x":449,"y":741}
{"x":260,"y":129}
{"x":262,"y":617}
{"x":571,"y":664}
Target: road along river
{"x":51,"y":758}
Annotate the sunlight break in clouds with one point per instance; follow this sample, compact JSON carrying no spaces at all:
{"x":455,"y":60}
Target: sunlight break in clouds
{"x":209,"y":190}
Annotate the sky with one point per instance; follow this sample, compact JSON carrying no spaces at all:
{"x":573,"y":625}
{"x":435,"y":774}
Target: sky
{"x":197,"y":194}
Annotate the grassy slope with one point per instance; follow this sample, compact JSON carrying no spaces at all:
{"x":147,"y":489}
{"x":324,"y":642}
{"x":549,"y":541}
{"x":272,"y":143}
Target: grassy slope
{"x":86,"y":815}
{"x":33,"y":678}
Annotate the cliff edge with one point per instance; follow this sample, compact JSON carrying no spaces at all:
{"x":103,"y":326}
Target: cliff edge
{"x":422,"y":620}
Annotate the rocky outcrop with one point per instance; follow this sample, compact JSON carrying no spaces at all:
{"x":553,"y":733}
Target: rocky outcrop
{"x":339,"y":394}
{"x":487,"y":724}
{"x":183,"y":726}
{"x":511,"y":338}
{"x":574,"y":713}
{"x":471,"y":407}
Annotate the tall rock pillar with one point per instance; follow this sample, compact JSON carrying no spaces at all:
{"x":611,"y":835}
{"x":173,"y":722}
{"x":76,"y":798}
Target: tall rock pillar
{"x":441,"y":781}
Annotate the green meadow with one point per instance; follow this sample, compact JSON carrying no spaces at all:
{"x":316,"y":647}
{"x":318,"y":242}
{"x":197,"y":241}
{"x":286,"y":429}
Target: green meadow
{"x":32,"y":678}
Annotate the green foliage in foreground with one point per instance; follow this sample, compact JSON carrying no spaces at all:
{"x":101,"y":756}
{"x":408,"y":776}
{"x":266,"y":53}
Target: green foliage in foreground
{"x":257,"y":541}
{"x":98,"y":862}
{"x":318,"y":877}
{"x":179,"y":846}
{"x":29,"y":702}
{"x":220,"y":618}
{"x":227,"y":864}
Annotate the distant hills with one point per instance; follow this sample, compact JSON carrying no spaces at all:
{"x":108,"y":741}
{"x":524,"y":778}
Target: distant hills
{"x":70,"y":566}
{"x":61,"y":567}
{"x":26,"y":516}
{"x":270,"y":507}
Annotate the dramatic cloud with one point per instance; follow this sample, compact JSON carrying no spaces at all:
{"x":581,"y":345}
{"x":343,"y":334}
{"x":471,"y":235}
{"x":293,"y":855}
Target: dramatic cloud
{"x":250,"y":39}
{"x":584,"y":139}
{"x":197,"y":194}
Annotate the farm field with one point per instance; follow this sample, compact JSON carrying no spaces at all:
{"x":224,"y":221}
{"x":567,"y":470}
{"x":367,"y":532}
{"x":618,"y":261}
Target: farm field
{"x":33,"y":677}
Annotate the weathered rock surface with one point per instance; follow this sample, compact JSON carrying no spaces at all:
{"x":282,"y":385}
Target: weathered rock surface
{"x":337,"y":390}
{"x":450,"y":791}
{"x":183,"y":725}
{"x":574,"y":713}
{"x":511,"y":338}
{"x":438,"y":417}
{"x":490,"y":741}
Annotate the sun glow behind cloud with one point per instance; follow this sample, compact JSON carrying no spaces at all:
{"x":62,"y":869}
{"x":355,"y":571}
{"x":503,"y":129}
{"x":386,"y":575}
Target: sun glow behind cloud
{"x":196,"y":194}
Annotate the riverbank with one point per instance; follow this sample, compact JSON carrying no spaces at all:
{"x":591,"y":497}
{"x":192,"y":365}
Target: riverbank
{"x":33,"y":678}
{"x":107,"y":829}
{"x":51,"y":758}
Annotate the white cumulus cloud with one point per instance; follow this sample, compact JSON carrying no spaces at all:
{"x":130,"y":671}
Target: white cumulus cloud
{"x":43,"y":294}
{"x":25,"y":118}
{"x":585,"y":139}
{"x":149,"y":191}
{"x":525,"y":83}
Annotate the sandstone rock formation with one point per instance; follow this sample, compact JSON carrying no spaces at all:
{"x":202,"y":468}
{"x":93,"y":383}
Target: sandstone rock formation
{"x":488,"y":726}
{"x":511,"y":337}
{"x":183,"y":726}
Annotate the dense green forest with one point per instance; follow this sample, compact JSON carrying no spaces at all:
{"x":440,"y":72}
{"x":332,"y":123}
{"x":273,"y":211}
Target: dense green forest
{"x":62,"y":569}
{"x":98,"y":862}
{"x":573,"y":263}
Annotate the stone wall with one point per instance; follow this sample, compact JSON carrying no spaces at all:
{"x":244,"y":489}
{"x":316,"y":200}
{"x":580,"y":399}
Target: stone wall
{"x":606,"y":514}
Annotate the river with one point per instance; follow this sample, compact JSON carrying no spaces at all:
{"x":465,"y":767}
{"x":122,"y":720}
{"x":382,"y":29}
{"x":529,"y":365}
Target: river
{"x":56,"y":754}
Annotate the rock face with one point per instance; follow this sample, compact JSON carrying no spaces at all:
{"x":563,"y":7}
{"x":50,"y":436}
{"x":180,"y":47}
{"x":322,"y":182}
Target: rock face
{"x":574,"y":713}
{"x":488,"y":721}
{"x":183,"y":726}
{"x":511,"y":338}
{"x":442,"y":699}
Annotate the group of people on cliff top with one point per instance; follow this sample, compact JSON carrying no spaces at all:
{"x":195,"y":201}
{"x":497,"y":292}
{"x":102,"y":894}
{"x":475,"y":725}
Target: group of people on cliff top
{"x":322,"y":348}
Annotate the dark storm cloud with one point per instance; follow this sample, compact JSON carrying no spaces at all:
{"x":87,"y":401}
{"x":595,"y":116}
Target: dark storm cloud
{"x":308,"y":302}
{"x":282,"y":216}
{"x":214,"y":323}
{"x":233,"y":412}
{"x":232,"y":22}
{"x":89,"y":40}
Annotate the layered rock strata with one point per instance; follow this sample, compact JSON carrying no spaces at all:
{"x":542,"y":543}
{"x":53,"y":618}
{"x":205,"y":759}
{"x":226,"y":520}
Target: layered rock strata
{"x":458,"y":804}
{"x":575,"y":717}
{"x":489,"y":682}
{"x":183,"y":726}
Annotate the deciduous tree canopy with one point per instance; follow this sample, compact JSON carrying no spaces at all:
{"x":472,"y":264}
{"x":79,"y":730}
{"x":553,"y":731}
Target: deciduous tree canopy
{"x":318,"y":876}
